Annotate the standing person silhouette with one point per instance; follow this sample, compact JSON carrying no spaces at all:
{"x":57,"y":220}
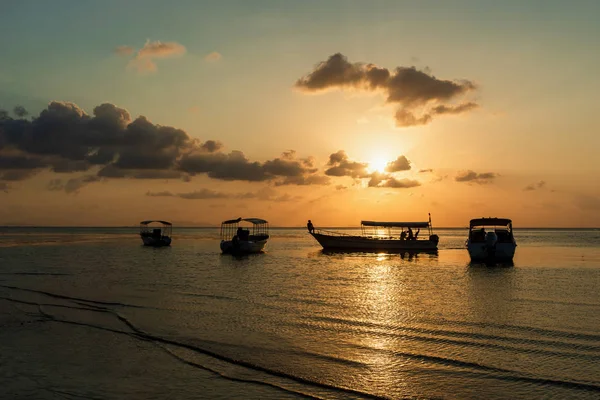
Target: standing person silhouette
{"x":410,"y":234}
{"x":310,"y":227}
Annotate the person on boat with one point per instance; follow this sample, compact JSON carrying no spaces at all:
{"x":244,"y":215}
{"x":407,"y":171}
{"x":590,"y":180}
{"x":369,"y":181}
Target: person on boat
{"x":410,"y":234}
{"x":417,"y":233}
{"x":310,"y":227}
{"x":403,"y":235}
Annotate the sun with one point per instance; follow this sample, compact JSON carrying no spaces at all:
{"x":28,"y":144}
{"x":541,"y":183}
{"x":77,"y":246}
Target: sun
{"x":378,"y":164}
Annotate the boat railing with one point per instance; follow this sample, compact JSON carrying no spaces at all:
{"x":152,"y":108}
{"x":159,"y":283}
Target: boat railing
{"x":331,"y":233}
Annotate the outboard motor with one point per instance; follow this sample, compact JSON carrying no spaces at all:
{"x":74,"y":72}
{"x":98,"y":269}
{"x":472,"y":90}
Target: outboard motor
{"x":490,"y":243}
{"x":434,"y":238}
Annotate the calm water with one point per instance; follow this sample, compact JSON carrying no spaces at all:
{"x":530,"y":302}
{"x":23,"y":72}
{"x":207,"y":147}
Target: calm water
{"x":90,"y":313}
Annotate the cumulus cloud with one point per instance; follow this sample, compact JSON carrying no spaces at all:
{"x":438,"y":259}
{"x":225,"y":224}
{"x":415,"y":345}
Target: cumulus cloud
{"x":144,"y":60}
{"x":399,"y":164}
{"x":535,"y":186}
{"x":110,"y":143}
{"x":419,"y":95}
{"x":213,"y":57}
{"x":472,"y":176}
{"x":382,"y":180}
{"x":340,"y":165}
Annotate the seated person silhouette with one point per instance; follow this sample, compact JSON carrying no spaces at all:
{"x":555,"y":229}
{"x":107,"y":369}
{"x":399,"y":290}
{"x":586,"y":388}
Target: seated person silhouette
{"x":417,"y":233}
{"x":403,"y":235}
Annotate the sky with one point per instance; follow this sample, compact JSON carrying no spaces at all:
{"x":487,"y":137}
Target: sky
{"x":340,"y":111}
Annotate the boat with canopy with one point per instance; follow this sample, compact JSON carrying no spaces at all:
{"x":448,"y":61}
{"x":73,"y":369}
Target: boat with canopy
{"x":156,"y":233}
{"x":244,"y":235}
{"x":491,"y":239}
{"x":381,"y":236}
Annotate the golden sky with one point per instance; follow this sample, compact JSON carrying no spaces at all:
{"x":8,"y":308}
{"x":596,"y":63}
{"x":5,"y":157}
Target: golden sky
{"x":288,"y":112}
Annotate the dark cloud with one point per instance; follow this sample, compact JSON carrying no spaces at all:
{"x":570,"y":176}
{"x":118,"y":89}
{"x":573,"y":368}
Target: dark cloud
{"x":340,"y":165}
{"x":212,"y":145}
{"x":399,"y":164}
{"x":382,"y":180}
{"x":409,"y":88}
{"x":265,"y":194}
{"x":20,"y":111}
{"x":286,"y":170}
{"x":425,"y":170}
{"x":472,"y":176}
{"x":65,"y":139}
{"x":535,"y":186}
{"x":73,"y":185}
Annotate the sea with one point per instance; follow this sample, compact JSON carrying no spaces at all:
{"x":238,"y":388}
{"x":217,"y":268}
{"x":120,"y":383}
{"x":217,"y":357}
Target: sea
{"x":89,"y":313}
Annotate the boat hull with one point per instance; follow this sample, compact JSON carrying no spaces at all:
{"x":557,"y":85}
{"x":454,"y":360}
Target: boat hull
{"x":499,"y":252}
{"x":243,"y":247}
{"x":359,"y":243}
{"x":156,"y":242}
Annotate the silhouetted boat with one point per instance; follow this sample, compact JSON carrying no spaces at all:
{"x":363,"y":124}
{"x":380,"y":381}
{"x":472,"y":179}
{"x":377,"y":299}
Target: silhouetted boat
{"x":497,"y":243}
{"x":237,"y":240}
{"x":380,"y":236}
{"x":156,"y":233}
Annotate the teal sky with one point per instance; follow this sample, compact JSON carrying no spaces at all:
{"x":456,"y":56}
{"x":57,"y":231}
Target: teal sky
{"x":534,"y":63}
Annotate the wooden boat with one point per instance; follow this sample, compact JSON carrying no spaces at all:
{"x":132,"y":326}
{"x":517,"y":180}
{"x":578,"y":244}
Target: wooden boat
{"x":380,"y":236}
{"x":495,"y":243}
{"x":237,"y":240}
{"x":156,"y":233}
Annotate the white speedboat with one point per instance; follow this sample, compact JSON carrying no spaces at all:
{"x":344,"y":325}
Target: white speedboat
{"x":156,"y":233}
{"x":237,"y":240}
{"x":380,"y":236}
{"x":491,"y":239}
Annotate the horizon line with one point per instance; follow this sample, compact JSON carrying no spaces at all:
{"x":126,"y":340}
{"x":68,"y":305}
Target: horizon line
{"x":271,"y":227}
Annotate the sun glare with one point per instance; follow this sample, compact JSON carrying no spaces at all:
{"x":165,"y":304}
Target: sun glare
{"x":378,"y":165}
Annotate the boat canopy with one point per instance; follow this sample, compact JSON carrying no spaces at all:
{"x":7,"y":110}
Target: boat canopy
{"x":396,"y":224}
{"x":254,"y":221}
{"x":490,"y":222}
{"x":151,"y":221}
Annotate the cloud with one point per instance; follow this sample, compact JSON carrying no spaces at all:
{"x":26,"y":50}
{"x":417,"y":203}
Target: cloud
{"x":425,"y":170}
{"x":535,"y":186}
{"x":124,"y":50}
{"x":419,"y":95}
{"x":144,"y":60}
{"x":20,"y":111}
{"x":340,"y":165}
{"x":400,"y":164}
{"x":112,"y":144}
{"x":382,"y":180}
{"x":286,"y":170}
{"x":73,"y":185}
{"x":341,"y":187}
{"x":472,"y":176}
{"x":264,"y":194}
{"x":213,"y":57}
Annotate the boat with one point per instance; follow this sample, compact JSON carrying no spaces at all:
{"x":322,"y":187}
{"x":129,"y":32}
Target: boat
{"x":156,"y":233}
{"x":491,"y":239}
{"x":380,"y":236}
{"x":237,"y":240}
